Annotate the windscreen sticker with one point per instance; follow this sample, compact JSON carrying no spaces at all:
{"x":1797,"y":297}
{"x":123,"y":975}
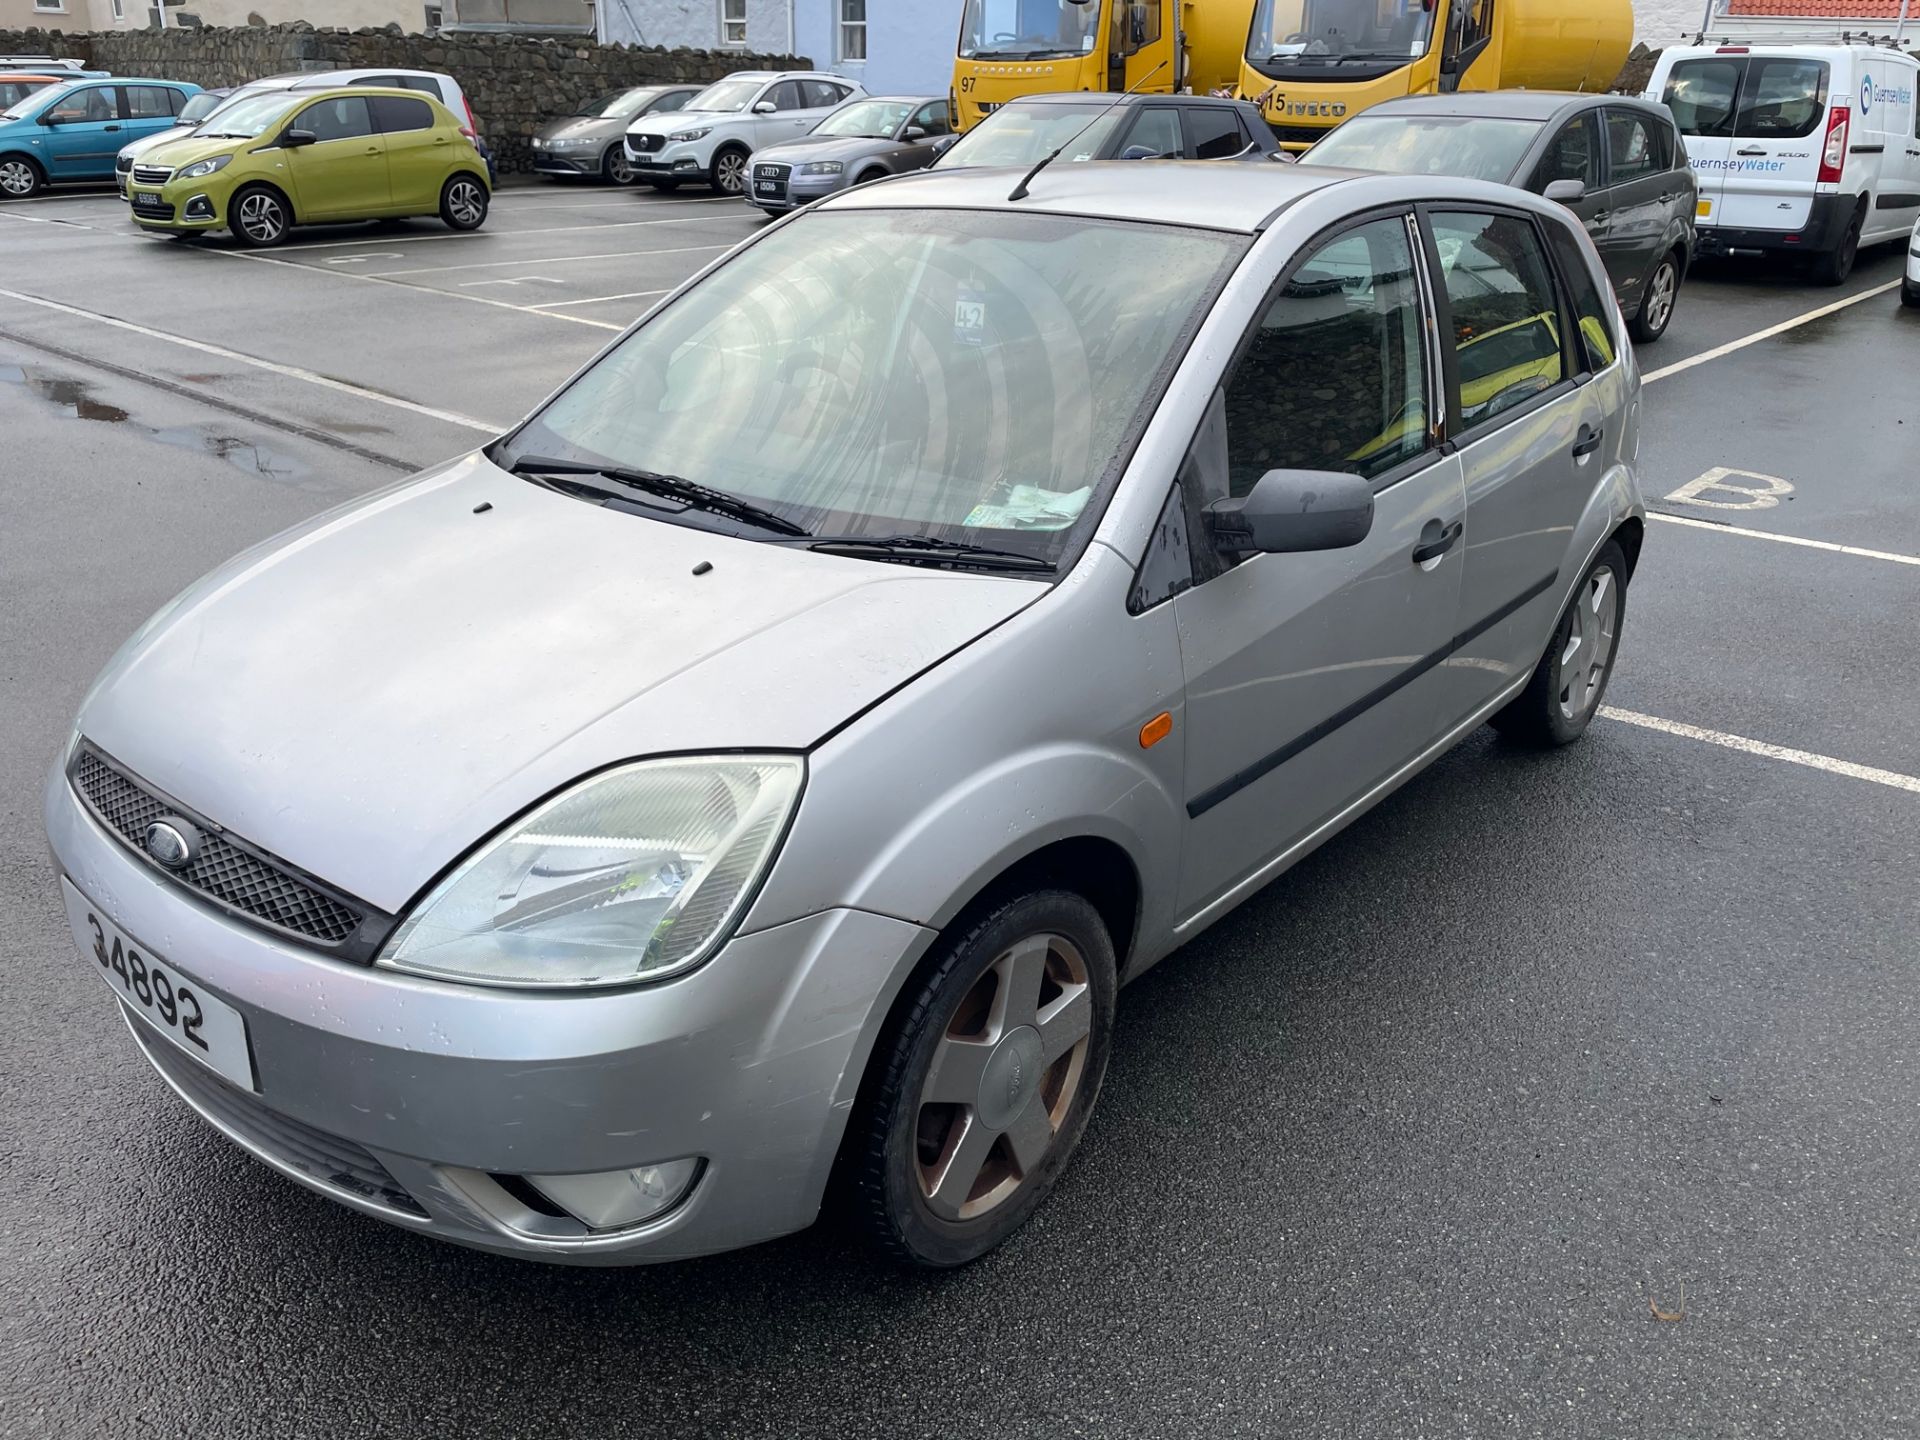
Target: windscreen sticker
{"x":969,"y":317}
{"x":1028,"y":507}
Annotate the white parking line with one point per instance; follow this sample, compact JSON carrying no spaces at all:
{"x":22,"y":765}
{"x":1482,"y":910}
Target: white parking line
{"x":1772,"y":330}
{"x":291,"y":372}
{"x":603,"y":299}
{"x":496,"y":234}
{"x":1893,"y":779}
{"x":627,"y":204}
{"x":544,"y":260}
{"x":1747,"y":534}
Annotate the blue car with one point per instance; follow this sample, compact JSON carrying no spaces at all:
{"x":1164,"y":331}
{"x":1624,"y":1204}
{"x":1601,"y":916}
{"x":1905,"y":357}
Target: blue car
{"x":72,"y":131}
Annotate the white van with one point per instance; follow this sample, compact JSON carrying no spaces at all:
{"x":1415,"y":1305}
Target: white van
{"x":1808,"y":149}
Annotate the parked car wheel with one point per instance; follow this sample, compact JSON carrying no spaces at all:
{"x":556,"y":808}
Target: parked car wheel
{"x":20,"y":177}
{"x":1656,"y":310}
{"x":729,"y":173}
{"x":867,"y":177}
{"x":463,"y":203}
{"x":1836,"y":265}
{"x":981,"y":1088}
{"x":615,"y":168}
{"x":259,"y":216}
{"x":1570,"y":681}
{"x":1910,"y":295}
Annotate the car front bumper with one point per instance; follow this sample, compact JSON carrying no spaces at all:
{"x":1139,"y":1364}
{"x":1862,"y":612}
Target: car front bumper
{"x":186,"y":205}
{"x":682,"y":161}
{"x":567,"y":162}
{"x":793,"y":191}
{"x":423,"y":1102}
{"x":1826,"y":226}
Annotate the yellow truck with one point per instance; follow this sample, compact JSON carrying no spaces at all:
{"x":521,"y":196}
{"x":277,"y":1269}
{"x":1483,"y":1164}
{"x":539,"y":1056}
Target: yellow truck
{"x":1309,"y":64}
{"x":1011,"y":48}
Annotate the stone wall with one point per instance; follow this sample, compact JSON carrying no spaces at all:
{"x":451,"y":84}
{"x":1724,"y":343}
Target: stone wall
{"x":515,"y":83}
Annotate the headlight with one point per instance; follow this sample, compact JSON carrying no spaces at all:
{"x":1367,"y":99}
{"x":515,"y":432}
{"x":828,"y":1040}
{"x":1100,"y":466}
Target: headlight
{"x":821,"y":167}
{"x":633,"y":875}
{"x":203,"y":167}
{"x":700,"y":134}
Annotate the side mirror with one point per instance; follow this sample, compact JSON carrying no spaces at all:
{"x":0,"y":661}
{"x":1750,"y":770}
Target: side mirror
{"x":1290,"y":511}
{"x":913,"y":132}
{"x":763,"y":107}
{"x":1567,"y":192}
{"x":51,"y":119}
{"x":294,"y":139}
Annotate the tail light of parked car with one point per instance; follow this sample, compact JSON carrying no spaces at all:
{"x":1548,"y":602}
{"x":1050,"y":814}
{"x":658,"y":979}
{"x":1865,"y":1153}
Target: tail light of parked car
{"x":1833,"y":159}
{"x":473,"y":125}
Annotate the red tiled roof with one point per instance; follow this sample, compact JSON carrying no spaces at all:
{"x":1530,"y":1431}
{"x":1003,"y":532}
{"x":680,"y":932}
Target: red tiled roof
{"x":1822,"y":9}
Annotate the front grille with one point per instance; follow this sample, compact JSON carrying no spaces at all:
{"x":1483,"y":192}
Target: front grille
{"x":330,"y":1162}
{"x":224,"y":871}
{"x":646,"y":144}
{"x":770,"y":181}
{"x":1300,"y":134}
{"x":151,"y":207}
{"x":151,"y":174}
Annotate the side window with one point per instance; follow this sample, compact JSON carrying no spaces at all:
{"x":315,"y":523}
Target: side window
{"x":1136,"y":25}
{"x":385,"y":82}
{"x":1573,"y":155}
{"x":820,"y":95}
{"x":1473,"y":22}
{"x":393,"y":114}
{"x":1597,"y":349}
{"x":666,"y":104}
{"x":1216,"y":132}
{"x":151,"y":102}
{"x":1334,"y":377}
{"x":933,"y":119}
{"x":425,"y":84}
{"x":346,"y":118}
{"x":1506,"y":315}
{"x":1156,"y":129}
{"x":94,"y":104}
{"x":1630,"y":149}
{"x":1783,"y":99}
{"x":786,"y":96}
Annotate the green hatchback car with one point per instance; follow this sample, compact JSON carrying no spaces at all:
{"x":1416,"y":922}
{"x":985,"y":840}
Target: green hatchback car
{"x":265,"y":164}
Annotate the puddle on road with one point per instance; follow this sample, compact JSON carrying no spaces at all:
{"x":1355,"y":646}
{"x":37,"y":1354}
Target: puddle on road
{"x":76,"y":400}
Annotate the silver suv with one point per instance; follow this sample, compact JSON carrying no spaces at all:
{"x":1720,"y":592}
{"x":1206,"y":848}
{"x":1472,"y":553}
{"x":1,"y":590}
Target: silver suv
{"x":778,"y":750}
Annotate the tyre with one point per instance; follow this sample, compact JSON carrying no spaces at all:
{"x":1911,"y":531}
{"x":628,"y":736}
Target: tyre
{"x":867,"y":177}
{"x":1656,"y":310}
{"x":615,"y":168}
{"x":980,"y":1088}
{"x":1910,"y":294}
{"x":729,"y":172}
{"x":20,"y":177}
{"x":463,"y":203}
{"x":1835,"y":266}
{"x":259,"y":217}
{"x":1570,"y":681}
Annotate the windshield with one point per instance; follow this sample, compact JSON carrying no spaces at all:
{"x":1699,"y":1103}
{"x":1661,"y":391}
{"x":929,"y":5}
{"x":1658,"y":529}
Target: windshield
{"x":726,"y":95}
{"x":244,"y":119}
{"x":620,"y":105}
{"x":198,"y":107}
{"x":878,"y":118}
{"x":1029,"y":29}
{"x":36,"y":100}
{"x":1326,"y":32}
{"x":975,"y":376}
{"x":1024,"y":134}
{"x":1470,"y":146}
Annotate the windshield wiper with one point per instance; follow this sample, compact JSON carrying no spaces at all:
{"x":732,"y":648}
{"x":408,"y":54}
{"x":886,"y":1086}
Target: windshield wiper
{"x":699,"y":497}
{"x":930,"y":550}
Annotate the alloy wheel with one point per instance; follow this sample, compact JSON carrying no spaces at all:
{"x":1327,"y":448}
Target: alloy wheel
{"x":619,"y":168}
{"x":1003,"y":1078}
{"x":1582,"y":670}
{"x":261,"y":218}
{"x":1660,"y":297}
{"x":730,"y":172}
{"x":464,"y":203}
{"x":17,"y":178}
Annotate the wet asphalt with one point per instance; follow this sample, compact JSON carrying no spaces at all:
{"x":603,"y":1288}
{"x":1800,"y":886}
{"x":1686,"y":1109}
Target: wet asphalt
{"x":1415,"y":1143}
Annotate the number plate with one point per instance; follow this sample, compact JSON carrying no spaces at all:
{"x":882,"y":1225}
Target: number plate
{"x":144,"y":201}
{"x":207,"y":1028}
{"x":767,"y":187}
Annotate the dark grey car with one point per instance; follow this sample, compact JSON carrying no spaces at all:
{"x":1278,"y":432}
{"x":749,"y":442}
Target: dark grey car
{"x":1114,"y":127}
{"x":865,"y":139}
{"x":1619,"y":164}
{"x":590,"y":141}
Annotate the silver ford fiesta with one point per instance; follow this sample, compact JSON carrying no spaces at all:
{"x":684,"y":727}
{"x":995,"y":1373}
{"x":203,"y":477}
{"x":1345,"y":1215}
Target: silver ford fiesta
{"x":767,"y":762}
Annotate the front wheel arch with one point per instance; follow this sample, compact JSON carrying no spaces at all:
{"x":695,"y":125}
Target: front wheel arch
{"x":286,"y":200}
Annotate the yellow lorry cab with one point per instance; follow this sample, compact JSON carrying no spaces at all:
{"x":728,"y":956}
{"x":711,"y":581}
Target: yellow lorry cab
{"x":1012,"y":48}
{"x":1309,"y":64}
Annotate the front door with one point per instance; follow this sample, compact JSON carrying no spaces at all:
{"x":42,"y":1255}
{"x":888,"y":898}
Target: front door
{"x":1142,"y":38}
{"x":1529,"y":436}
{"x":1311,"y":678}
{"x":343,"y":172}
{"x":418,"y":147}
{"x":86,"y":133}
{"x":1577,"y":153}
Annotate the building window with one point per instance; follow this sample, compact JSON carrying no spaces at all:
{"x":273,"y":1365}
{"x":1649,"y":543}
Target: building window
{"x":853,"y":29}
{"x":119,"y":11}
{"x":433,"y":19}
{"x":55,"y":5}
{"x":733,"y":22}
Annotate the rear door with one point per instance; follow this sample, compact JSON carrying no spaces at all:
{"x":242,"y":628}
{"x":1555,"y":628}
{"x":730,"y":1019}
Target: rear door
{"x":149,"y":109}
{"x":343,"y":173}
{"x":1703,"y":92}
{"x":418,"y":146}
{"x":1777,"y":137}
{"x":1641,"y":188}
{"x":1214,"y":132}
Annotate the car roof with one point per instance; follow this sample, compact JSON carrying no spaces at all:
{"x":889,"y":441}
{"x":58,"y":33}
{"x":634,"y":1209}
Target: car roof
{"x":1506,"y":104}
{"x":1216,"y":195}
{"x":785,"y":75}
{"x":903,"y":99}
{"x":1082,"y":97}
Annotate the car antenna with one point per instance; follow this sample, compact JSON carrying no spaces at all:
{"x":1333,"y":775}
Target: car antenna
{"x":1019,"y":191}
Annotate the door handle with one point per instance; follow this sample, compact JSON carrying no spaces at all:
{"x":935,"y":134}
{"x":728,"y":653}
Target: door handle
{"x":1749,"y":152}
{"x":105,"y":128}
{"x":1602,"y":217}
{"x":1588,"y":441}
{"x":1433,"y":549}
